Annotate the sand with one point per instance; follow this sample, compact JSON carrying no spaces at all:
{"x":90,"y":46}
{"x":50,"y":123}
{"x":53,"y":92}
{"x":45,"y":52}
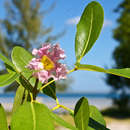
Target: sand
{"x":118,"y":124}
{"x":112,"y":123}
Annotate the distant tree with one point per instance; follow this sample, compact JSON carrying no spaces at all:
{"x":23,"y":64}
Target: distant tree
{"x":63,"y":85}
{"x":23,"y":26}
{"x":121,"y":54}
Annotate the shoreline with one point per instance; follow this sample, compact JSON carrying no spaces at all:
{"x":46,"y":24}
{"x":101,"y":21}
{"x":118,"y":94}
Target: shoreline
{"x":100,"y":103}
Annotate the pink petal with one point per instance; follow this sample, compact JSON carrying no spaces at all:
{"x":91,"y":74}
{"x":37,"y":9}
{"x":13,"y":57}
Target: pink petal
{"x":61,"y":71}
{"x":35,"y":64}
{"x":43,"y":76}
{"x":44,"y":50}
{"x":34,"y":52}
{"x":57,"y":53}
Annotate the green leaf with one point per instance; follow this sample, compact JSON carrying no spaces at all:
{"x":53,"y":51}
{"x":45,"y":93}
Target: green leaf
{"x":10,"y":69}
{"x":88,"y":29}
{"x":50,"y":90}
{"x":9,"y":65}
{"x":27,"y":97}
{"x":32,"y":116}
{"x":25,"y":83}
{"x":6,"y":60}
{"x":21,"y":58}
{"x":61,"y":121}
{"x":95,"y":116}
{"x":7,"y":79}
{"x":94,"y":125}
{"x":119,"y":72}
{"x":90,"y":68}
{"x":19,"y":97}
{"x":3,"y":120}
{"x":81,"y":114}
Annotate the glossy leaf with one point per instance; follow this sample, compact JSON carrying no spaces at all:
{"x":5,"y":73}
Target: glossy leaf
{"x":25,"y":83}
{"x":96,"y":120}
{"x":32,"y":116}
{"x":3,"y":120}
{"x":88,"y":29}
{"x":10,"y":69}
{"x":81,"y":114}
{"x":61,"y":121}
{"x":119,"y":72}
{"x":6,"y":60}
{"x":19,"y":97}
{"x":7,"y":79}
{"x":50,"y":90}
{"x":21,"y":58}
{"x":95,"y":125}
{"x":9,"y":65}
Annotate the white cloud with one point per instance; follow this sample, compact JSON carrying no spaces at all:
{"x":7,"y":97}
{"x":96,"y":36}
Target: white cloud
{"x":107,"y":23}
{"x":75,"y":20}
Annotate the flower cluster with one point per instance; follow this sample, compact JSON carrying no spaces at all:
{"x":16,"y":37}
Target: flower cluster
{"x":46,"y":64}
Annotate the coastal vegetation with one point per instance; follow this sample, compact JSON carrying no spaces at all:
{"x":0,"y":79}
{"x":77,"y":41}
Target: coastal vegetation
{"x":37,"y":73}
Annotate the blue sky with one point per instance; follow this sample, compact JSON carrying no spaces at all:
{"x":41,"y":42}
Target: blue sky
{"x":65,"y":16}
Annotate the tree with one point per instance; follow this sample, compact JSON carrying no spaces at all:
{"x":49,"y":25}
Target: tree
{"x":121,"y":54}
{"x":23,"y":26}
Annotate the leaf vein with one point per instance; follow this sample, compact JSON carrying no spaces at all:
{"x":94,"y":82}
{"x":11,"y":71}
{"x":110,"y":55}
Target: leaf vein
{"x":90,"y":31}
{"x":34,"y":117}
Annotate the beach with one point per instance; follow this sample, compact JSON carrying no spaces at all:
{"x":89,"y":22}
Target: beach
{"x":112,"y":124}
{"x":100,"y":102}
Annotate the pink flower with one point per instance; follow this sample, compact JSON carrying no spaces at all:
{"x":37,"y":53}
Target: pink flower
{"x":46,"y":64}
{"x":35,"y":64}
{"x":61,"y":71}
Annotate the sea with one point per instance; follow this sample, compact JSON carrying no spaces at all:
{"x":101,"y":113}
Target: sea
{"x":100,"y":100}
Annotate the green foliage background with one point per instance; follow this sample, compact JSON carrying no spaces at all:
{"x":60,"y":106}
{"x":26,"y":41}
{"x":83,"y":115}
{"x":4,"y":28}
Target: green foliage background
{"x":23,"y":25}
{"x":121,"y":54}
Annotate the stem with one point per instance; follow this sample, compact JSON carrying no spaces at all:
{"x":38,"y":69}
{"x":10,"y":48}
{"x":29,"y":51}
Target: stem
{"x":23,"y":97}
{"x":54,"y":108}
{"x":31,"y":96}
{"x":72,"y":70}
{"x":57,"y":101}
{"x":66,"y":108}
{"x":35,"y":91}
{"x":46,"y":84}
{"x":36,"y":101}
